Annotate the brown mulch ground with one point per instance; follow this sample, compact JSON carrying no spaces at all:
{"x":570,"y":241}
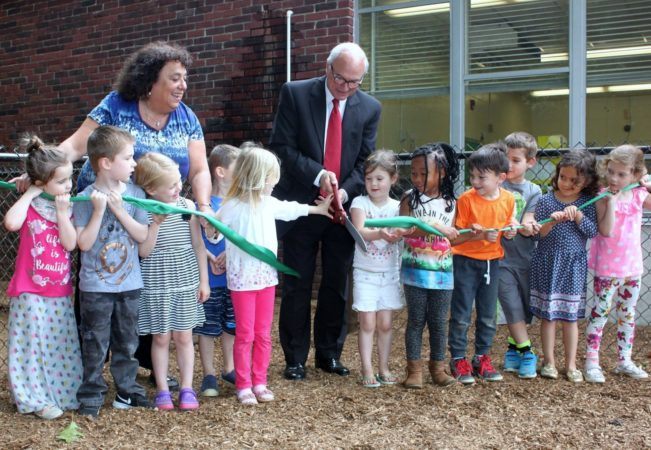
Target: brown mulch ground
{"x":326,"y":411}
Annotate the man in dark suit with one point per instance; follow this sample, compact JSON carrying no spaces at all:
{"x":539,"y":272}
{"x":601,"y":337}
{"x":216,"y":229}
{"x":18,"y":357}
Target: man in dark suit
{"x":323,"y":131}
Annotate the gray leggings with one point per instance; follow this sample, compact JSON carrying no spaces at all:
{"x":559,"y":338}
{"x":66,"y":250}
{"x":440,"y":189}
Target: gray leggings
{"x":429,"y":306}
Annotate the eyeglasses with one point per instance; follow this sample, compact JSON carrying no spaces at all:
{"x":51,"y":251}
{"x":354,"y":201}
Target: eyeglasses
{"x":341,"y":81}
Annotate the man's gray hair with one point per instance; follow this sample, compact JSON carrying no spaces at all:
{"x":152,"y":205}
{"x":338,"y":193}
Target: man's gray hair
{"x":350,"y":48}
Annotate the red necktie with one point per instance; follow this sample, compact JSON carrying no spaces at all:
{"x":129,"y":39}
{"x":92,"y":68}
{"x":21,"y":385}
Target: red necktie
{"x":332,"y":159}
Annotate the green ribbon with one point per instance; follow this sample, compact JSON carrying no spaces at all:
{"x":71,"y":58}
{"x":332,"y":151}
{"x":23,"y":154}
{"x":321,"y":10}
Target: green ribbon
{"x":402,"y":222}
{"x":155,"y":207}
{"x":408,"y":222}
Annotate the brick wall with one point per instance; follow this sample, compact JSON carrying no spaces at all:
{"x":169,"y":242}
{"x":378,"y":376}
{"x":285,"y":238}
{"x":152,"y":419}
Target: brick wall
{"x":59,"y":58}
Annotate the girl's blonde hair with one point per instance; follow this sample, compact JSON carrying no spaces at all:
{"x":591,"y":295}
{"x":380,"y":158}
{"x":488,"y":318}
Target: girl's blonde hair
{"x":42,"y":159}
{"x":626,"y":154}
{"x":153,"y":169}
{"x":254,"y":167}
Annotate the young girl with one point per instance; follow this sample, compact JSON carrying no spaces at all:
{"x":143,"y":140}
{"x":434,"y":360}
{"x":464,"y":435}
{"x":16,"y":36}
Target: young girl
{"x":175,"y":277}
{"x":427,"y":259}
{"x":44,"y":358}
{"x":250,"y":211}
{"x":559,"y":264}
{"x":376,"y":273}
{"x":616,"y":259}
{"x":220,"y":317}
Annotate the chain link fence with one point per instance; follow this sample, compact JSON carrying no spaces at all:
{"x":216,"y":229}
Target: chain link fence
{"x":12,"y":166}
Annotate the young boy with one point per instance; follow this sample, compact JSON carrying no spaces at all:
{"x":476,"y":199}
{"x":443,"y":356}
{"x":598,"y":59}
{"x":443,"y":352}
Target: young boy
{"x":220,"y":318}
{"x":109,"y":278}
{"x":513,"y":290}
{"x":485,"y":209}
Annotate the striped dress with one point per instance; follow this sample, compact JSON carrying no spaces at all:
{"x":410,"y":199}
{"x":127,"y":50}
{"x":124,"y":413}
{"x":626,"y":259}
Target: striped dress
{"x":168,"y":300}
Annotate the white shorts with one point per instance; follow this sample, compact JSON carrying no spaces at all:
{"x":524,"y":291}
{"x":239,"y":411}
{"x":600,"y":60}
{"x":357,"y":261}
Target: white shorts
{"x":376,"y":291}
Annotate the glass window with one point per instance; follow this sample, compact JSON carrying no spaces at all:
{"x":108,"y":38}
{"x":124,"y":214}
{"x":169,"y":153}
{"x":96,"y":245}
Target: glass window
{"x":618,"y":67}
{"x":491,"y":116}
{"x":409,"y":73}
{"x":513,"y":66}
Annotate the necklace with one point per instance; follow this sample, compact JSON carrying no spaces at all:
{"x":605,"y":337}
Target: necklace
{"x":150,"y":117}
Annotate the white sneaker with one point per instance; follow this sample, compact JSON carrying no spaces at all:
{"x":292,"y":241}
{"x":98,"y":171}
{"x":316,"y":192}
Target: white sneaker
{"x":50,"y":412}
{"x":630,"y":369}
{"x":594,"y":375}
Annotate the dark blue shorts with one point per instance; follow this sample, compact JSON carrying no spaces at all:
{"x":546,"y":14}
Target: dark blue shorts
{"x":220,"y":316}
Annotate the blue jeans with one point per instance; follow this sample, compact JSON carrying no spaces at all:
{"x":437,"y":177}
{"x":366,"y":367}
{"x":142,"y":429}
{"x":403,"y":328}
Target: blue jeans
{"x":474,"y":280}
{"x":108,"y":318}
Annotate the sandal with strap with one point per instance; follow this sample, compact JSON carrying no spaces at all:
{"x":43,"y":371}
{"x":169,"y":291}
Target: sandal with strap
{"x":370,"y":382}
{"x":263,"y":395}
{"x":388,"y":379}
{"x":246,"y":397}
{"x":188,"y":400}
{"x":163,"y":401}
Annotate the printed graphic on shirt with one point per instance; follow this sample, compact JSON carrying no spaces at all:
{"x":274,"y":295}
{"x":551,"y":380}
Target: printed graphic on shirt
{"x":520,"y":205}
{"x":430,"y":252}
{"x":51,"y":262}
{"x":113,"y":264}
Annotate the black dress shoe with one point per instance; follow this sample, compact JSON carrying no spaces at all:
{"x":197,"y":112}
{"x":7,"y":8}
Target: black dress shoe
{"x":294,"y":372}
{"x":332,"y":365}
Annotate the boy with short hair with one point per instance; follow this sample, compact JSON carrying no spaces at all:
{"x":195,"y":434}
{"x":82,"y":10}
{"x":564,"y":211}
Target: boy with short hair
{"x":513,"y":290}
{"x":109,"y":277}
{"x":485,"y":208}
{"x":220,"y":317}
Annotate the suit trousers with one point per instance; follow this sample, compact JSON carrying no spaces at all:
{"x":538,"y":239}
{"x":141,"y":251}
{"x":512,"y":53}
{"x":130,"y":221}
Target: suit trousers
{"x":300,"y":247}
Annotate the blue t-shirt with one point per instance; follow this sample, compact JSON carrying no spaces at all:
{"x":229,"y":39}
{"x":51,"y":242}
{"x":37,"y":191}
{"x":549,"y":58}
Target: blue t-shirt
{"x":182,"y":127}
{"x":215,"y":248}
{"x":111,"y":264}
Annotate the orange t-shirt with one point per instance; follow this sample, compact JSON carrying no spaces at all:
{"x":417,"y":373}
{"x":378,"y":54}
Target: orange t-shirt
{"x":473,"y":208}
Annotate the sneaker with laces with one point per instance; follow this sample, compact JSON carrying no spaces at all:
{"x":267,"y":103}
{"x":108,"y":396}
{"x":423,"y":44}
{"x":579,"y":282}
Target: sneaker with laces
{"x":482,"y":366}
{"x":528,"y":365}
{"x":549,"y":371}
{"x":594,"y":375}
{"x":124,"y":400}
{"x":461,"y":370}
{"x":209,"y":386}
{"x":631,"y":370}
{"x":512,"y":359}
{"x":575,"y":376}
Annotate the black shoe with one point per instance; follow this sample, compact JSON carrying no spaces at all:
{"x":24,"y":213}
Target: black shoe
{"x":90,"y":411}
{"x":332,"y":365}
{"x":294,"y":372}
{"x":128,"y":401}
{"x":172,"y":383}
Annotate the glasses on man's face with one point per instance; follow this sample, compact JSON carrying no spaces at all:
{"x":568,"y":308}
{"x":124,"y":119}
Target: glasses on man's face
{"x":341,"y":81}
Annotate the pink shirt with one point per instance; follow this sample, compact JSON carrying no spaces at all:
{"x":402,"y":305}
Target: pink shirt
{"x":42,"y":264}
{"x":620,"y":255}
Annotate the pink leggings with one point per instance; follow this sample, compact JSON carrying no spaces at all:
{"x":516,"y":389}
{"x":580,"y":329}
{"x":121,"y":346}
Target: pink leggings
{"x":254,"y":313}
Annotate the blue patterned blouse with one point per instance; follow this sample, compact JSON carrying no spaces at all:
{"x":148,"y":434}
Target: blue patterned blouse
{"x":182,"y":127}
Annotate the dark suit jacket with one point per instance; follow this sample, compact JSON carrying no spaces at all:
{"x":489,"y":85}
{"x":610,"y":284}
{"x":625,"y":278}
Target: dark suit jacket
{"x":298,"y":134}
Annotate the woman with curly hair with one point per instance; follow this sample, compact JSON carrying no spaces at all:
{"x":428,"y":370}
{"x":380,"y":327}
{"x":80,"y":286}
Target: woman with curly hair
{"x":147,"y":102}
